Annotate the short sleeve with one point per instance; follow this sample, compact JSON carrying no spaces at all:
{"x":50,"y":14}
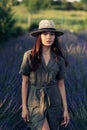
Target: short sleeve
{"x":25,"y":67}
{"x":62,"y":68}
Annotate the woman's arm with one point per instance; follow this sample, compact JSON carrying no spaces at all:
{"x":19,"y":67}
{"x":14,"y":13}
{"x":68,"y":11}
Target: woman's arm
{"x":63,"y":93}
{"x":24,"y":97}
{"x":64,"y":101}
{"x":24,"y":90}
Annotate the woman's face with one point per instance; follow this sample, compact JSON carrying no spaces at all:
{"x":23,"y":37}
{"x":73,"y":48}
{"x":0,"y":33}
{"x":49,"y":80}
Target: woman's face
{"x":47,"y":38}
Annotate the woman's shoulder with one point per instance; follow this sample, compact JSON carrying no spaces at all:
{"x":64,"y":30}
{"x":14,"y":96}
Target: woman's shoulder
{"x":28,"y":52}
{"x":27,"y":56}
{"x":61,"y":60}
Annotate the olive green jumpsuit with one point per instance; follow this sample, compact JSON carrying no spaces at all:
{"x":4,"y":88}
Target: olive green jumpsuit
{"x":44,"y":99}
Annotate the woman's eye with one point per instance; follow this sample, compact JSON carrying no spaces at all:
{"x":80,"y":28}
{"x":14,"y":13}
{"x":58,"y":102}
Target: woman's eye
{"x":45,"y":33}
{"x":52,"y":33}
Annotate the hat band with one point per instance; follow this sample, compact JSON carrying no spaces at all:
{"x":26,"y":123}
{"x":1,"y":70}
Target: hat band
{"x":47,"y":29}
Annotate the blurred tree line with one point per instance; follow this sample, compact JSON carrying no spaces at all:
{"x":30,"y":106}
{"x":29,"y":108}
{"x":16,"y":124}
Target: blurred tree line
{"x":34,"y":5}
{"x":7,"y":20}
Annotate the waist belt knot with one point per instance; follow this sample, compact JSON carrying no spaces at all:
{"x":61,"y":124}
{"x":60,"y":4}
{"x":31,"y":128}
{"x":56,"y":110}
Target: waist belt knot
{"x":44,"y":97}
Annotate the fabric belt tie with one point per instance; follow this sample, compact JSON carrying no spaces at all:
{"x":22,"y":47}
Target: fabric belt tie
{"x":44,"y":97}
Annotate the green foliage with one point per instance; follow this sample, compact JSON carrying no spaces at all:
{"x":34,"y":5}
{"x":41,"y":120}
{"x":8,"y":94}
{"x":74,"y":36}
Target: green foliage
{"x":46,"y":4}
{"x":7,"y":21}
{"x":84,"y":1}
{"x":32,"y":5}
{"x":64,"y":5}
{"x":34,"y":25}
{"x":15,"y":2}
{"x":35,"y":5}
{"x":18,"y":31}
{"x":78,"y":6}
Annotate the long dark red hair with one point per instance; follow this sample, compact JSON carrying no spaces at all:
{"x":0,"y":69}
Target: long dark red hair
{"x":35,"y":56}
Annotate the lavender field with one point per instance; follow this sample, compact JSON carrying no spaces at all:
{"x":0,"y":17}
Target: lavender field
{"x":75,"y":81}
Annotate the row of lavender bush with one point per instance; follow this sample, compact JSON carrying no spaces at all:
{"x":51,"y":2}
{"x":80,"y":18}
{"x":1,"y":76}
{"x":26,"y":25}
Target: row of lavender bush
{"x":75,"y":81}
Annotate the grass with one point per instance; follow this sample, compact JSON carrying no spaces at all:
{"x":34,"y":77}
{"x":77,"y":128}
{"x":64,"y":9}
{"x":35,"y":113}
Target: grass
{"x":71,"y":20}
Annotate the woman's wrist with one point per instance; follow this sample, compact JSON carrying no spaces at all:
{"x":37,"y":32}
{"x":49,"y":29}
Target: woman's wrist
{"x":24,"y":106}
{"x":65,"y":107}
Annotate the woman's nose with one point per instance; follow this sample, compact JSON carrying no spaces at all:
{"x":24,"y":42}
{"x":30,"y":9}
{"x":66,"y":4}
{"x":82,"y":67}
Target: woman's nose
{"x":48,"y":36}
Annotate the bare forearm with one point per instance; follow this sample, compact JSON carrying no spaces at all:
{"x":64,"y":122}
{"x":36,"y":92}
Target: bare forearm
{"x":63,"y":94}
{"x":24,"y":95}
{"x":24,"y":92}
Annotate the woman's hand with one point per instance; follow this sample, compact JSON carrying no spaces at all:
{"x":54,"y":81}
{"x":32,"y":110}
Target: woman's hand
{"x":25,"y":114}
{"x":66,"y":118}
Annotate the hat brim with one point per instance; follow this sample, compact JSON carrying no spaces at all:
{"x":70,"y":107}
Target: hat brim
{"x":36,"y":33}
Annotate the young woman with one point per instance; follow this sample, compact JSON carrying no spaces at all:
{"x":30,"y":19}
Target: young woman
{"x":43,"y":71}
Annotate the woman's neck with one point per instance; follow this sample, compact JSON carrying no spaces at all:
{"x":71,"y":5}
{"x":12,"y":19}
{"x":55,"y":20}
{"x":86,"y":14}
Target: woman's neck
{"x":46,"y":50}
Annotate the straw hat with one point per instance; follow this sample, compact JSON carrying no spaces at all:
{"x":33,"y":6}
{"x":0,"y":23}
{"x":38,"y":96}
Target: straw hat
{"x":46,"y":25}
